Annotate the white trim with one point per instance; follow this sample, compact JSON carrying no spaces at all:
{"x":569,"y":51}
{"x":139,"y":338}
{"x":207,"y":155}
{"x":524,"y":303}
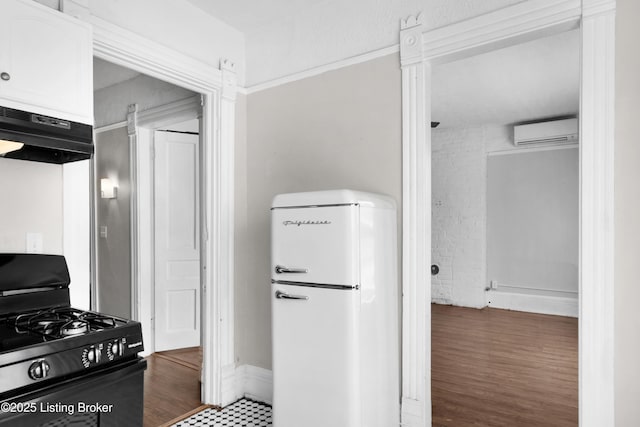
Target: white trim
{"x":130,"y":50}
{"x":515,"y":24}
{"x":171,"y":113}
{"x":247,"y":381}
{"x":134,"y":178}
{"x":416,"y":228}
{"x":321,"y":69}
{"x":112,"y":126}
{"x":508,"y":26}
{"x":542,"y":304}
{"x":516,"y":150}
{"x":597,"y":134}
{"x":254,"y":383}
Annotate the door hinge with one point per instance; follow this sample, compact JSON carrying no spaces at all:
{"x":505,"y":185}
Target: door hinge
{"x":202,"y":100}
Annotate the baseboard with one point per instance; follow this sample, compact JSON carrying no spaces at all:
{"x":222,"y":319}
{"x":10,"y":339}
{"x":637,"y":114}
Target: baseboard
{"x":543,"y":304}
{"x":229,"y":385}
{"x":254,"y":383}
{"x":412,"y":413}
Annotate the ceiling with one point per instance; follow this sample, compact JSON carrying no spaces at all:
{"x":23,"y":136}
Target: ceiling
{"x":531,"y":81}
{"x":106,"y":74}
{"x":249,"y":15}
{"x":526,"y":82}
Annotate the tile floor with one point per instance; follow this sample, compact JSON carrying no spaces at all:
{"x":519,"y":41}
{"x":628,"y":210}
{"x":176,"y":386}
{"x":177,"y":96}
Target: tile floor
{"x":243,"y":413}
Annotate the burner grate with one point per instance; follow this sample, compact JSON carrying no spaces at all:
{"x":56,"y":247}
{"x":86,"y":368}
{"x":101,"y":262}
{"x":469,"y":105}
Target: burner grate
{"x":64,"y":322}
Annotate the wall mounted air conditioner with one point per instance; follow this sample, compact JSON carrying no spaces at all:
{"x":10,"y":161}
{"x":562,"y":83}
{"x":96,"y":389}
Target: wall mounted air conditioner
{"x":552,"y":132}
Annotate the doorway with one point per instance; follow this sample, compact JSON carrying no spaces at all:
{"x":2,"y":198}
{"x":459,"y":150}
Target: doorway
{"x":505,"y":235}
{"x":521,"y":22}
{"x":218,"y":89}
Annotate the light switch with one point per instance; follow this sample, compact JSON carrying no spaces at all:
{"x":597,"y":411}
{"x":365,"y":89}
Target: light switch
{"x":34,"y":243}
{"x":103,"y":231}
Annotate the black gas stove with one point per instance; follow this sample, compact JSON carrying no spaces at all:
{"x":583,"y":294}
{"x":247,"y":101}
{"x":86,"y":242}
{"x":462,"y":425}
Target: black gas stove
{"x":60,"y":365}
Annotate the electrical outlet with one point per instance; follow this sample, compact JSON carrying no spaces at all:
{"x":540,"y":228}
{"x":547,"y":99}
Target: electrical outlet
{"x":103,"y":231}
{"x":34,"y":243}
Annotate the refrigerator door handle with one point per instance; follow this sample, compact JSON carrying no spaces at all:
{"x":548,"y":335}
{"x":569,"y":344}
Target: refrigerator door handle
{"x":280,"y":269}
{"x":284,"y":295}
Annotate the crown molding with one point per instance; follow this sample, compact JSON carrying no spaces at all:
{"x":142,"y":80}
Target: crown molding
{"x":358,"y":59}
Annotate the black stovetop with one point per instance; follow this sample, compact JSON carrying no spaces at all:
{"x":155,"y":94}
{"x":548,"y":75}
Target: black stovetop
{"x":42,"y":338}
{"x":42,"y":326}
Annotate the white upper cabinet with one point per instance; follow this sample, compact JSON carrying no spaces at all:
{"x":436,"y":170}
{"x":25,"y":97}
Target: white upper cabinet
{"x":46,"y":62}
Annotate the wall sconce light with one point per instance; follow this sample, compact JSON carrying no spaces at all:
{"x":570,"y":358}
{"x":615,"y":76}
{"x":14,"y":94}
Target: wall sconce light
{"x":107,"y":189}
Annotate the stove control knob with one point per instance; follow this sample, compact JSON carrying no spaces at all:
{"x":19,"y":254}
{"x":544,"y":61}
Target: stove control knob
{"x":39,"y":369}
{"x":91,"y":355}
{"x":116,"y":348}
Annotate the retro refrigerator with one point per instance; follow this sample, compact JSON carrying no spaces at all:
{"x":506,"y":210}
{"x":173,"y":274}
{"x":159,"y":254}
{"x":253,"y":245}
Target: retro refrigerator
{"x":334,"y":299}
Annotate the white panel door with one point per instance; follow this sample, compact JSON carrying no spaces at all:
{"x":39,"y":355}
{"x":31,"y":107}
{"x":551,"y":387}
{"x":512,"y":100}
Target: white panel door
{"x":177,"y":243}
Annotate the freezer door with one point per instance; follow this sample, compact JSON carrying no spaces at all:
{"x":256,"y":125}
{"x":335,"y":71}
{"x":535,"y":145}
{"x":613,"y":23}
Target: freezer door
{"x":315,"y":245}
{"x":315,"y":353}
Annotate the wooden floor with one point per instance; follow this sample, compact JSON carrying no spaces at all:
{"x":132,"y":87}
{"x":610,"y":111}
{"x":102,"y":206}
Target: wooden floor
{"x":495,"y":367}
{"x":171,"y":385}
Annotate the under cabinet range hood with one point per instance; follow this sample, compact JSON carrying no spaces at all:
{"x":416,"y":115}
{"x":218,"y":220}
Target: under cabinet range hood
{"x":39,"y":138}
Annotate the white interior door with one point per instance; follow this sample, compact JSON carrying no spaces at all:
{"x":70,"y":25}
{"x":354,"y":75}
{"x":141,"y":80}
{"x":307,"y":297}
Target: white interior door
{"x":177,"y":254}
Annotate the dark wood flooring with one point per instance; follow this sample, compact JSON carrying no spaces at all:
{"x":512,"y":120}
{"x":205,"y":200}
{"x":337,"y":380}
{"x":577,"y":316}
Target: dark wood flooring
{"x":490,"y":367}
{"x":499,"y":368}
{"x":171,"y":386}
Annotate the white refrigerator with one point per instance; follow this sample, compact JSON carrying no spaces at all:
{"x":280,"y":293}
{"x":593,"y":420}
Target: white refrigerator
{"x":334,"y":300}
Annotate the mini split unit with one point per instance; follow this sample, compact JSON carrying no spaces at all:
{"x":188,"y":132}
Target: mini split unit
{"x":549,"y":133}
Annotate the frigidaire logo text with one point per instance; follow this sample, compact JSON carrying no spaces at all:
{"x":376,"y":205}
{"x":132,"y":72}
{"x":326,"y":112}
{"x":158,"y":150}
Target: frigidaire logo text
{"x":306,"y":222}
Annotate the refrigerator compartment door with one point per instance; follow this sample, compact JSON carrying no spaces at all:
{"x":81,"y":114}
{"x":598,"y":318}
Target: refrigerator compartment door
{"x":315,"y":245}
{"x":315,"y":357}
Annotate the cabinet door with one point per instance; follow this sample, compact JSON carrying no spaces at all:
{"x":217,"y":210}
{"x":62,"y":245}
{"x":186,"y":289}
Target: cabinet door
{"x":47,"y":58}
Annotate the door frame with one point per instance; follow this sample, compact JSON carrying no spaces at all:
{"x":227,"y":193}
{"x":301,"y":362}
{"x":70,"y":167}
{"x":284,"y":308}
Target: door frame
{"x":218,"y":87}
{"x":419,"y":50}
{"x":144,"y":124}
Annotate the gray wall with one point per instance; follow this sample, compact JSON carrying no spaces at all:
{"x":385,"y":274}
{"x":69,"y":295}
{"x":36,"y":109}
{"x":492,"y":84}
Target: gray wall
{"x":110,"y":104}
{"x":30,"y":202}
{"x":114,"y":251}
{"x":532,"y":220}
{"x":627,"y":216}
{"x":341,"y":129}
{"x":112,"y":160}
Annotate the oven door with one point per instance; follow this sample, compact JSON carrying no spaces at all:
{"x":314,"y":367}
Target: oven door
{"x":109,"y":397}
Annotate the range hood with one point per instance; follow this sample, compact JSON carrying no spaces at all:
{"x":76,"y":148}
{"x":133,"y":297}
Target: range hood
{"x":38,"y":138}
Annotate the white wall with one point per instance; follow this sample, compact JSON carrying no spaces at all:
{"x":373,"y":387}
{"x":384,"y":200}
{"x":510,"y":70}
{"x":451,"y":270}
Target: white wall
{"x":31,"y":200}
{"x":458,"y":212}
{"x":341,"y":129}
{"x":77,"y":230}
{"x":532,"y":221}
{"x":627,"y":216}
{"x":459,"y":219}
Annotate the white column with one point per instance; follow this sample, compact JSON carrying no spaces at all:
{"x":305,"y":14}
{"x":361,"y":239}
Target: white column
{"x":217,"y":265}
{"x":416,"y":227}
{"x":226,"y":234}
{"x":596,"y":222}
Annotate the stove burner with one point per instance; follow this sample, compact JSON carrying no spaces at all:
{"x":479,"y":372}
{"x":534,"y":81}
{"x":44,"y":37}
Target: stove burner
{"x":75,"y":327}
{"x":64,"y":322}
